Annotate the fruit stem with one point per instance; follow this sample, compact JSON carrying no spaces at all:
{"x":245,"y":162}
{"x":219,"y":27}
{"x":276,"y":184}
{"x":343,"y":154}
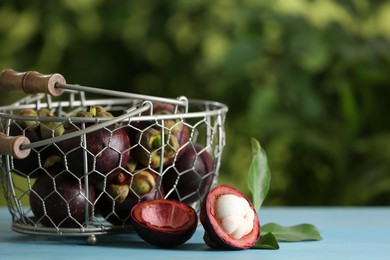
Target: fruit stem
{"x":92,"y":110}
{"x":157,"y":141}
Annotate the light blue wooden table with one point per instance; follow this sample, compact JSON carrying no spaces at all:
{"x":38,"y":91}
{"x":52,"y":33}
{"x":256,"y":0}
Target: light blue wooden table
{"x":348,"y":233}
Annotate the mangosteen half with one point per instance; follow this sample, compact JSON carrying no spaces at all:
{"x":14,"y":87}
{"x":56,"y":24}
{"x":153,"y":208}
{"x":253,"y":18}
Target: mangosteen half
{"x":229,"y":219}
{"x":61,"y":201}
{"x":191,"y":177}
{"x":164,"y":223}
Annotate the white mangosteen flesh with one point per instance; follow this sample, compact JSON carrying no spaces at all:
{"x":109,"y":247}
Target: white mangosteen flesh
{"x":234,"y":215}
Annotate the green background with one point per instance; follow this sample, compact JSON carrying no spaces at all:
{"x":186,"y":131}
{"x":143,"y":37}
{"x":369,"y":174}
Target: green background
{"x":309,"y":79}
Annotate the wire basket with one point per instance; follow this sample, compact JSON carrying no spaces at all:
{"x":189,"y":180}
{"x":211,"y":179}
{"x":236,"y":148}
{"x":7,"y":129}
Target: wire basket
{"x":75,"y":159}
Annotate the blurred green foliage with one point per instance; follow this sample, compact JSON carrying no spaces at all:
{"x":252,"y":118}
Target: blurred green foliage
{"x":308,"y":78}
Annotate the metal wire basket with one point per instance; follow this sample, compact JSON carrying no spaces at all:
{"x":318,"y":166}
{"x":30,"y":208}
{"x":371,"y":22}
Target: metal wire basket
{"x":79,"y":164}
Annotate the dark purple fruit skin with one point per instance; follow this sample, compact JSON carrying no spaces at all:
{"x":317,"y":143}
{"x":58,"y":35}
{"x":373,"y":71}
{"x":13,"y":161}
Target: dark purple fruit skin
{"x":164,"y":237}
{"x":191,"y":181}
{"x":27,"y":167}
{"x":66,"y":190}
{"x":116,"y":151}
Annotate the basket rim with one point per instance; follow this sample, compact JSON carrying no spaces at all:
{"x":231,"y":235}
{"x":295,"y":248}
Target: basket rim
{"x":217,"y":108}
{"x":132,"y":114}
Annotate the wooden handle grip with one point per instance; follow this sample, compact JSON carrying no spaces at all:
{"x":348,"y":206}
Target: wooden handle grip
{"x":31,"y":82}
{"x":11,"y":145}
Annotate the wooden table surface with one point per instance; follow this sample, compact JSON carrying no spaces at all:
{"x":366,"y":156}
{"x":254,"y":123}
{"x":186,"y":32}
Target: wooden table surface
{"x":348,"y":233}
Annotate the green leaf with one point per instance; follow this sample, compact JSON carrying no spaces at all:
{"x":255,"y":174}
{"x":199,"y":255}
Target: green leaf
{"x":259,"y":175}
{"x":266,"y":241}
{"x":296,"y":233}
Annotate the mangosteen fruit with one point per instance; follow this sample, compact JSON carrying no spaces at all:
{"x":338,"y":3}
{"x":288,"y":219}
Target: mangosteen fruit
{"x":106,"y":150}
{"x":49,"y":129}
{"x":143,"y":182}
{"x":101,"y":112}
{"x":115,"y":186}
{"x":172,"y":127}
{"x":229,"y":219}
{"x":191,"y":176}
{"x":158,"y":109}
{"x":150,"y":148}
{"x":61,"y":201}
{"x":50,"y":154}
{"x":164,"y":223}
{"x":149,"y":136}
{"x":164,"y":108}
{"x":30,"y":124}
{"x":122,"y":191}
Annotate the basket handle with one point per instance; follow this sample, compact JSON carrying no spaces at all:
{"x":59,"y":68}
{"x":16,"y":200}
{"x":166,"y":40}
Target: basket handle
{"x":20,"y":146}
{"x":105,"y":123}
{"x":31,"y":82}
{"x":11,"y":145}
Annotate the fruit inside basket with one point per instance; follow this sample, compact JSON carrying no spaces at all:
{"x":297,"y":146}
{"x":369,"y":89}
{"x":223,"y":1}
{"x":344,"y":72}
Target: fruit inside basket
{"x":76,"y":161}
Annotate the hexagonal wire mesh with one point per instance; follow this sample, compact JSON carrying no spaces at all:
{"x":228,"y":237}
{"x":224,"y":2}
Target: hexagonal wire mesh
{"x":86,"y":170}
